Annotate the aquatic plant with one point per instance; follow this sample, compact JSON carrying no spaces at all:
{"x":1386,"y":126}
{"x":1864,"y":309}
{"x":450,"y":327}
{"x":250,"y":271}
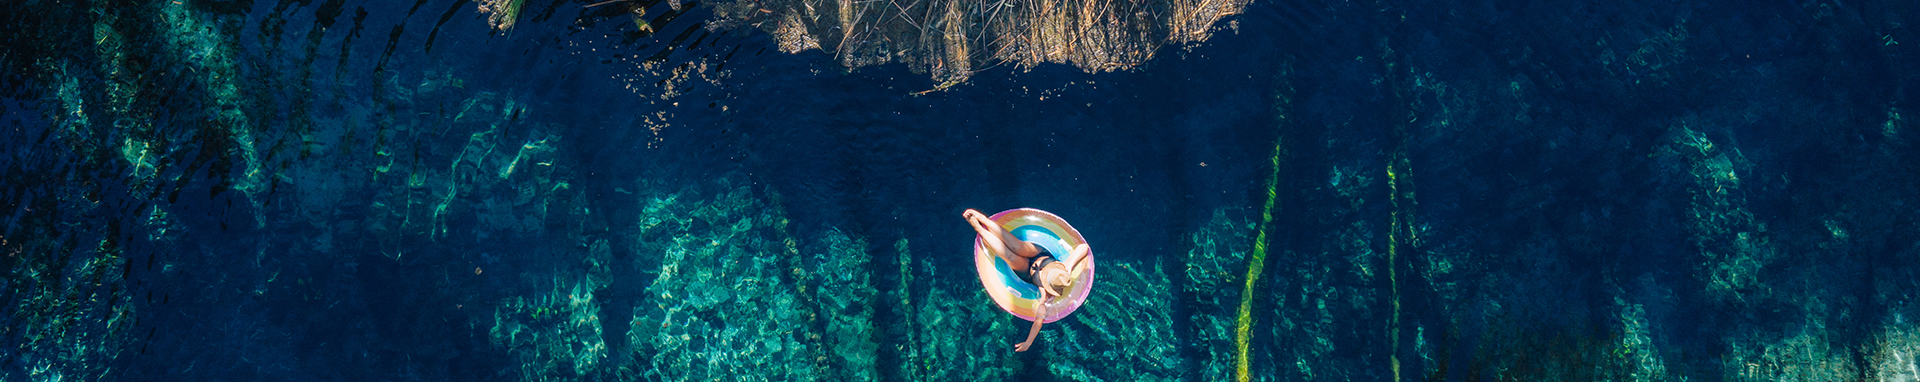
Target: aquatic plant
{"x":501,"y":14}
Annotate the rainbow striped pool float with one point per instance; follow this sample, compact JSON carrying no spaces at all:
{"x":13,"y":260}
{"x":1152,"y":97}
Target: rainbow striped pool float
{"x":1010,"y":290}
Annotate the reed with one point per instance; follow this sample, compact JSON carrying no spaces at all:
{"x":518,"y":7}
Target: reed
{"x":952,"y":39}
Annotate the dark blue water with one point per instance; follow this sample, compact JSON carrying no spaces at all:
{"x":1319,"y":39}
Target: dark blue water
{"x":1458,"y":191}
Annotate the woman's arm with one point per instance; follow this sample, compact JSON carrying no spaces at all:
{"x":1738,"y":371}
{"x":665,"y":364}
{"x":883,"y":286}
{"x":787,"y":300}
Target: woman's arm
{"x":1039,"y":316}
{"x":1078,"y":256}
{"x":1077,"y":262}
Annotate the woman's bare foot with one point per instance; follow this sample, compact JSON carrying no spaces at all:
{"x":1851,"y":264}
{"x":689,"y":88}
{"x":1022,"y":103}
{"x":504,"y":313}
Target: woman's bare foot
{"x":980,"y":221}
{"x":984,"y":227}
{"x":1000,"y":243}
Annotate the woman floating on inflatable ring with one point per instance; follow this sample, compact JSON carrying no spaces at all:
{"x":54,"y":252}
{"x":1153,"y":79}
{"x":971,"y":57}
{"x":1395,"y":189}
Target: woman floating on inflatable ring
{"x":1062,"y":285}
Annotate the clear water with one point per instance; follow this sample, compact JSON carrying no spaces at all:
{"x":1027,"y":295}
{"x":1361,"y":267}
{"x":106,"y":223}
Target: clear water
{"x":1321,"y":190}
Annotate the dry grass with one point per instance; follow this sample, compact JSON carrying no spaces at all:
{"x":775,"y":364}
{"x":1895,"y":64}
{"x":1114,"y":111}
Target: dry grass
{"x":951,"y":39}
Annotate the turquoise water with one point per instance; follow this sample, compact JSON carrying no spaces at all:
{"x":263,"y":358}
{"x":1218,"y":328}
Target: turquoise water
{"x":771,"y":190}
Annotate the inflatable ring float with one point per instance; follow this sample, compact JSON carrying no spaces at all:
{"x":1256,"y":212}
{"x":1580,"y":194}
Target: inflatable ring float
{"x":1010,"y":290}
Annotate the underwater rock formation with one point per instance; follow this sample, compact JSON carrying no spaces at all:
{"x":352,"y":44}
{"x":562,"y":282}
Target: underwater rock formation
{"x":730,"y":298}
{"x":552,"y":336}
{"x":1214,"y":269}
{"x":731,"y":294}
{"x":1124,"y":333}
{"x":961,"y":336}
{"x":72,"y":327}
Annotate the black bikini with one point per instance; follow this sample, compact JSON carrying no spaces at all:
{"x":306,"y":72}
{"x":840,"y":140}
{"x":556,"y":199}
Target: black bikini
{"x":1040,"y":261}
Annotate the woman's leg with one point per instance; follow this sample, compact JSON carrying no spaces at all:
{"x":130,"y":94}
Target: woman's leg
{"x":998,"y":241}
{"x":1013,"y":244}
